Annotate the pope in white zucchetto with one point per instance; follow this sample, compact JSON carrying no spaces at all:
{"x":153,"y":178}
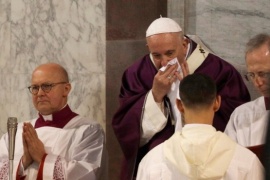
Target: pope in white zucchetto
{"x":147,"y":115}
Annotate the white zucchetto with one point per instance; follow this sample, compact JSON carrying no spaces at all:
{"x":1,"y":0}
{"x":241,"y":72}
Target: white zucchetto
{"x":162,"y":25}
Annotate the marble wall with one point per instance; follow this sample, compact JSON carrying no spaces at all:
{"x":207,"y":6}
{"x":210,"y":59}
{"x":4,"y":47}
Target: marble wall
{"x":71,"y":33}
{"x":224,"y":26}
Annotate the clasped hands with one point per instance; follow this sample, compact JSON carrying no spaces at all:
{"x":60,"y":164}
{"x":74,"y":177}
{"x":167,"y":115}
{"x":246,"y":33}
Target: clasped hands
{"x":164,"y":79}
{"x":33,"y":147}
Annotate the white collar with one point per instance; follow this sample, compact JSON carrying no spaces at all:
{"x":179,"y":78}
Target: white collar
{"x":50,"y":117}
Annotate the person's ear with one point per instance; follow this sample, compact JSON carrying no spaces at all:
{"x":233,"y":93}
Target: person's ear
{"x":179,"y":105}
{"x":185,"y":42}
{"x":217,"y":103}
{"x":67,"y":89}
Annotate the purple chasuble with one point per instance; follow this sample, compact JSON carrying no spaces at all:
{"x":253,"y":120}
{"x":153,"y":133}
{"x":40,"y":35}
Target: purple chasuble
{"x":137,"y":81}
{"x":59,"y":119}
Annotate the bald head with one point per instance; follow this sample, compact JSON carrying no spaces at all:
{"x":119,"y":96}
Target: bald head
{"x":55,"y":69}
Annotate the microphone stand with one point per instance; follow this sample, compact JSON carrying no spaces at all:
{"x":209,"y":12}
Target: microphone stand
{"x":10,"y":169}
{"x":12,"y":129}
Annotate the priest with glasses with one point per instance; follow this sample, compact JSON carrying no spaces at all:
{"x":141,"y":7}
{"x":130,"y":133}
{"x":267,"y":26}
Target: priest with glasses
{"x":59,"y":143}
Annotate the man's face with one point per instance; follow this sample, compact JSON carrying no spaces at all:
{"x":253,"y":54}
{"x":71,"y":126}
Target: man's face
{"x":258,"y":66}
{"x":54,"y":100}
{"x":164,"y":47}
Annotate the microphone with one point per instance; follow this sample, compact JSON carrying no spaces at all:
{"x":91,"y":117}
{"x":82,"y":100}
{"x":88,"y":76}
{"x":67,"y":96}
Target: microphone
{"x":12,"y":129}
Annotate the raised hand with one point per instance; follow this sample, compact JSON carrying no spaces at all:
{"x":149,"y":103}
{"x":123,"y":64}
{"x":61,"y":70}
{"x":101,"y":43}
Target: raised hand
{"x":163,"y":81}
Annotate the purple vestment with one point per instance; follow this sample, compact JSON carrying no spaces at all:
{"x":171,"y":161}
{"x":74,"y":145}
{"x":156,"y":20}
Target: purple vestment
{"x":137,"y":80}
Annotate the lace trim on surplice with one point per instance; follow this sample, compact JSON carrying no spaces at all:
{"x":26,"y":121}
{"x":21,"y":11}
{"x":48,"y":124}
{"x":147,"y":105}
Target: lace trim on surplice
{"x":4,"y":171}
{"x":58,"y":173}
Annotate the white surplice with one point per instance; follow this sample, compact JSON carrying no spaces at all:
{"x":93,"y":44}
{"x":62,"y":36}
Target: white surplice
{"x":74,"y":152}
{"x":200,"y":152}
{"x":248,"y":123}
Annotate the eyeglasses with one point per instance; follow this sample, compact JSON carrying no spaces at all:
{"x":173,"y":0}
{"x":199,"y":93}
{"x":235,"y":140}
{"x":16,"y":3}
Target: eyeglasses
{"x":250,"y":76}
{"x":46,"y":87}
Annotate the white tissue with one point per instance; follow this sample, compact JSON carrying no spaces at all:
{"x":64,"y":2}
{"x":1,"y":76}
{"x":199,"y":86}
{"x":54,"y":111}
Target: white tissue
{"x":171,"y":62}
{"x":173,"y":94}
{"x":173,"y":87}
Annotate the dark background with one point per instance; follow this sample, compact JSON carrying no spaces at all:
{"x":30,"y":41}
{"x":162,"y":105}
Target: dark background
{"x":126,"y":24}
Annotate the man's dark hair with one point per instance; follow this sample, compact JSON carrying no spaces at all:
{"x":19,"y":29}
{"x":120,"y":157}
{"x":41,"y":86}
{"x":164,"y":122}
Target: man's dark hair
{"x":197,"y":91}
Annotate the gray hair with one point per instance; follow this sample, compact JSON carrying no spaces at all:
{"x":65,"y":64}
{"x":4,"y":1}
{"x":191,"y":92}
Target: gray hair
{"x":257,"y":41}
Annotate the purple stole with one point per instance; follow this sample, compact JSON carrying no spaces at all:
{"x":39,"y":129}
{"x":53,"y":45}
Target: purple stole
{"x":59,"y":119}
